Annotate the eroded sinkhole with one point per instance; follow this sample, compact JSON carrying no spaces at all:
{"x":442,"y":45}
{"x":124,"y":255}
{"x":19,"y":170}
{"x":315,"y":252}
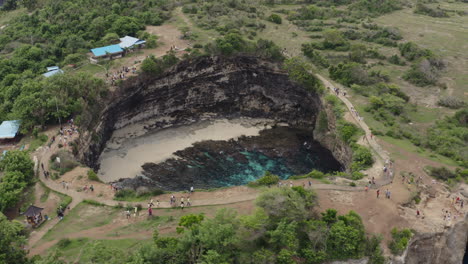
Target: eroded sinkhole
{"x":209,"y":122}
{"x":214,"y":153}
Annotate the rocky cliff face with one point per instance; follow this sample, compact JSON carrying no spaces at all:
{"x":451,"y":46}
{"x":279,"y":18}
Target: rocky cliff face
{"x":434,"y":248}
{"x":205,"y":87}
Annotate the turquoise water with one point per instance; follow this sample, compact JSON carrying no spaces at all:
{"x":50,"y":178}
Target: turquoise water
{"x":226,"y":170}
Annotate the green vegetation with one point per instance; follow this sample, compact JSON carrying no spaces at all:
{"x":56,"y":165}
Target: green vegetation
{"x":18,"y":173}
{"x":12,"y":240}
{"x":135,"y":196}
{"x":400,"y":239}
{"x":275,"y":19}
{"x":446,"y":175}
{"x":266,"y":180}
{"x":92,"y":176}
{"x":449,"y":137}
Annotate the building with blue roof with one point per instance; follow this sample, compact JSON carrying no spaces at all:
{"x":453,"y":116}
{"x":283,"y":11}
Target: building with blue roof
{"x":112,"y":50}
{"x":9,"y":129}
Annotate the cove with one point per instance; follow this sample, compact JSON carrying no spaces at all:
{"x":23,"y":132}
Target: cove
{"x":282,"y":150}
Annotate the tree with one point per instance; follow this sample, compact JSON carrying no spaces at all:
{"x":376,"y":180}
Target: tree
{"x":346,"y":237}
{"x":11,"y":240}
{"x":333,"y":38}
{"x":11,"y":188}
{"x":284,"y":236}
{"x":285,"y":203}
{"x":18,"y":161}
{"x":125,"y":25}
{"x":299,"y":71}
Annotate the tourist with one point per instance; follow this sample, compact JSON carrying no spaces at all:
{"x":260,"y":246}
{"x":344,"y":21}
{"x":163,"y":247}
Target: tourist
{"x":63,"y":184}
{"x":290,"y":184}
{"x":191,"y":189}
{"x":417,"y":213}
{"x":150,"y":211}
{"x":157,"y":203}
{"x":128,"y":213}
{"x":310,"y":184}
{"x":188,"y":201}
{"x":182,"y":199}
{"x":389,"y":194}
{"x":66,"y":185}
{"x":91,"y":188}
{"x":182,"y":205}
{"x":367,"y":188}
{"x":386,"y":193}
{"x":461,"y":204}
{"x":378,"y":193}
{"x":85,"y":188}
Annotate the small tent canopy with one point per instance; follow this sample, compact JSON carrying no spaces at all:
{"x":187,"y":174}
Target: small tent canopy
{"x":9,"y":129}
{"x":33,"y":211}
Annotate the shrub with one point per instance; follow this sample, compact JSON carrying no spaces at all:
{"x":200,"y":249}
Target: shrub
{"x":411,"y":51}
{"x":362,"y":158}
{"x":425,"y":10}
{"x":275,"y":19}
{"x":352,"y":184}
{"x":395,"y":59}
{"x":267,"y":179}
{"x":65,"y":201}
{"x":441,"y":173}
{"x":92,"y":176}
{"x":347,"y":131}
{"x":129,"y":194}
{"x":63,"y":243}
{"x":400,"y":240}
{"x":451,"y":102}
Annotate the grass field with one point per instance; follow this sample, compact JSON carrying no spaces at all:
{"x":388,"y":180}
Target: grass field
{"x":74,"y":253}
{"x":447,"y":37}
{"x":82,"y":217}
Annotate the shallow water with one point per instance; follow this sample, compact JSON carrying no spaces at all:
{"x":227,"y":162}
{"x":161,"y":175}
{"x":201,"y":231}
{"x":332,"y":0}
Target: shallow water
{"x":129,"y":148}
{"x":284,"y":151}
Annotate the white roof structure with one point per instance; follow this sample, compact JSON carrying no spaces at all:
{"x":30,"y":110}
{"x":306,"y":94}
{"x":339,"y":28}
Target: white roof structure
{"x":128,"y":42}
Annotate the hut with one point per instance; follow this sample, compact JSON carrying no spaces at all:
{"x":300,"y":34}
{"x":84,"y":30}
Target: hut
{"x":107,"y":52}
{"x":52,"y":71}
{"x":33,"y":215}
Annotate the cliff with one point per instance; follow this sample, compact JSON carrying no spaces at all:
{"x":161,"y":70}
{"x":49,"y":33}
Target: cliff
{"x":208,"y":87}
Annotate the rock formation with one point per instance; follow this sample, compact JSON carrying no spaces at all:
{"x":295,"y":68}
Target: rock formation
{"x":208,"y":87}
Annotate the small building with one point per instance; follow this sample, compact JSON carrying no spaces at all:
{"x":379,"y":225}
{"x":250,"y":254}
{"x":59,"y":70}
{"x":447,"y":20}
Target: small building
{"x":34,"y":215}
{"x":128,"y":42}
{"x":107,"y":52}
{"x":52,"y":71}
{"x":9,"y":129}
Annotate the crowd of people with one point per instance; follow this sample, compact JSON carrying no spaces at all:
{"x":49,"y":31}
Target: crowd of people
{"x":121,"y":74}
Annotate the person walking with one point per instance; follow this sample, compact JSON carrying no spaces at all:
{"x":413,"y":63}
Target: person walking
{"x":188,"y":201}
{"x":310,"y":184}
{"x":157,"y":203}
{"x":150,"y":211}
{"x":378,"y":193}
{"x":91,"y":188}
{"x":191,"y":189}
{"x":417,"y":213}
{"x":182,"y":205}
{"x":389,"y":194}
{"x":128,"y":213}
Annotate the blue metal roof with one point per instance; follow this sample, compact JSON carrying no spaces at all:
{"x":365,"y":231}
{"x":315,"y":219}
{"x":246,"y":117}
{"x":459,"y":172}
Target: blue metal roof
{"x":8,"y":129}
{"x":102,"y":51}
{"x":53,"y":72}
